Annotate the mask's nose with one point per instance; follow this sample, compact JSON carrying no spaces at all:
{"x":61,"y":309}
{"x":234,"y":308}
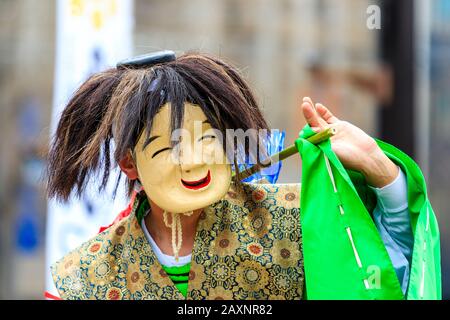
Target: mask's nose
{"x":190,"y":158}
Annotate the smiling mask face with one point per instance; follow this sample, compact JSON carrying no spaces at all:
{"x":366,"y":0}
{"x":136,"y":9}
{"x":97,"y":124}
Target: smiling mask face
{"x":191,"y":175}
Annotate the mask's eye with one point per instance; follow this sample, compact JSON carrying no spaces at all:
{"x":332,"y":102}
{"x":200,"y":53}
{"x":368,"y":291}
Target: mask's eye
{"x":207,"y":137}
{"x":159,"y":151}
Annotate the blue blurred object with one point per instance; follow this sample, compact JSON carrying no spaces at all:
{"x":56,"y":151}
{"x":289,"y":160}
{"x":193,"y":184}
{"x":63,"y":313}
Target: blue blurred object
{"x":29,"y":121}
{"x":27,"y":235}
{"x":27,"y":232}
{"x":274,"y":144}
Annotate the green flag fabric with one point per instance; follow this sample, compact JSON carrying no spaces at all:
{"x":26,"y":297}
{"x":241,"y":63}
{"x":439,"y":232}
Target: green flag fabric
{"x":344,"y":255}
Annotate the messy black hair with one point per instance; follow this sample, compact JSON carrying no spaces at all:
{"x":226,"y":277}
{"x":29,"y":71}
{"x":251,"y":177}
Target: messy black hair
{"x":120,"y":103}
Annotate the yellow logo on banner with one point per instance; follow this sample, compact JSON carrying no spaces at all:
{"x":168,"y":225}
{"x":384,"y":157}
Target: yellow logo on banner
{"x":97,"y":10}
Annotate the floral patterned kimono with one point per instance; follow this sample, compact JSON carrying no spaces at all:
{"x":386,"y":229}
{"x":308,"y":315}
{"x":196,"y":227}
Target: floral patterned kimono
{"x":248,"y":246}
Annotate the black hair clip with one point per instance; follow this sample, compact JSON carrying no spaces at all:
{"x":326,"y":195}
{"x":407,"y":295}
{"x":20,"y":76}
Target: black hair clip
{"x":147,"y":60}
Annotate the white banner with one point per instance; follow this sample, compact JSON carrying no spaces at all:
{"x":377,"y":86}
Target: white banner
{"x":92,"y":35}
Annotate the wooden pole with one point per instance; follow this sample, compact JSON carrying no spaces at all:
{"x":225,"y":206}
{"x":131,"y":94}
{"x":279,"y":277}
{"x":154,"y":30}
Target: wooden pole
{"x":286,"y":153}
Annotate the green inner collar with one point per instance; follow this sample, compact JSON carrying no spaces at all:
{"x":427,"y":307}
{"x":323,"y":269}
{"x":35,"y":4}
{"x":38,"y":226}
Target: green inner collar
{"x":142,"y":209}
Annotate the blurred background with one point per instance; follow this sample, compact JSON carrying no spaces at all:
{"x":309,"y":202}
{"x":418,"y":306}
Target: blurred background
{"x":382,"y":65}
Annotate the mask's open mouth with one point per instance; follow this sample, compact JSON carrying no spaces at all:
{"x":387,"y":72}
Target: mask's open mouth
{"x":197,"y":184}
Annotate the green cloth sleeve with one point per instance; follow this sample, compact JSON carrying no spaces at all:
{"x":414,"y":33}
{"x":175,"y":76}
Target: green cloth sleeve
{"x":344,"y":255}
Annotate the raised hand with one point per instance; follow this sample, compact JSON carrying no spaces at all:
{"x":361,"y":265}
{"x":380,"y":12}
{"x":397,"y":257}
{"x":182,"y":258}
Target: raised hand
{"x":354,"y":148}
